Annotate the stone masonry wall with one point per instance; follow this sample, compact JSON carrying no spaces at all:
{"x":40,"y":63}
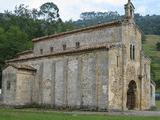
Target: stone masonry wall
{"x":131,"y":35}
{"x":9,"y":77}
{"x":87,"y":38}
{"x":132,"y":68}
{"x":24,"y":86}
{"x":75,"y":81}
{"x":115,"y":79}
{"x":146,"y":88}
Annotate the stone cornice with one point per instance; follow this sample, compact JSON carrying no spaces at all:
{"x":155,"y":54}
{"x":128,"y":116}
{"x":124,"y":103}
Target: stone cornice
{"x":24,"y":52}
{"x":70,"y":51}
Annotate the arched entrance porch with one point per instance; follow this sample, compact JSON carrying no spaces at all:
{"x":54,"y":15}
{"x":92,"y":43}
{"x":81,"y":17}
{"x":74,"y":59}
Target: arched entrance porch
{"x":131,"y":95}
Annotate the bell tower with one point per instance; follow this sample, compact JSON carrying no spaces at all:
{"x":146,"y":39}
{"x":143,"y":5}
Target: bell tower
{"x":129,"y":10}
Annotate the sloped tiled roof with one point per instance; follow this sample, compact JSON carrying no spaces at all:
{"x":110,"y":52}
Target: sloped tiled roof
{"x":25,"y":52}
{"x":109,"y":24}
{"x":21,"y":66}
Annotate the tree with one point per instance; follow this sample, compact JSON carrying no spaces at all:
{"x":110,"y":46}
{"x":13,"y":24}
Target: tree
{"x":34,"y":14}
{"x":158,"y":46}
{"x":11,"y":42}
{"x":22,"y":11}
{"x":49,"y":12}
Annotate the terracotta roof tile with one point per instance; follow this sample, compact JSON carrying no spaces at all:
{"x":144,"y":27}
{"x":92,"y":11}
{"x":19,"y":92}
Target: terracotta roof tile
{"x":21,"y":66}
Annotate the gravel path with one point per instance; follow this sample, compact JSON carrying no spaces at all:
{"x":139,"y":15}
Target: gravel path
{"x":127,"y":113}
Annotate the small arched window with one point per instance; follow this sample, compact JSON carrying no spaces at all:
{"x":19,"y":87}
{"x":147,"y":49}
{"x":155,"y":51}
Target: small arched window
{"x":41,"y":51}
{"x":132,"y":52}
{"x":51,"y":49}
{"x":8,"y":85}
{"x":77,"y":44}
{"x":64,"y":46}
{"x":151,"y":91}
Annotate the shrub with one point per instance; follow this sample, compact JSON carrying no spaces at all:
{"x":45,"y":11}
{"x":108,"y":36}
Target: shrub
{"x":158,"y":46}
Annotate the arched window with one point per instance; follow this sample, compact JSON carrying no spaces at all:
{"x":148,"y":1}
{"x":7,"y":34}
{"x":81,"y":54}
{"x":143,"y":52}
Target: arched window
{"x":77,"y":44}
{"x":132,"y":52}
{"x":8,"y":85}
{"x":151,"y":91}
{"x":64,"y":46}
{"x":41,"y":51}
{"x":51,"y":49}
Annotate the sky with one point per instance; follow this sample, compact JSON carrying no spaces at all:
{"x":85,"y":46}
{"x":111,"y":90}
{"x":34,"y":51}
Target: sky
{"x":71,"y":9}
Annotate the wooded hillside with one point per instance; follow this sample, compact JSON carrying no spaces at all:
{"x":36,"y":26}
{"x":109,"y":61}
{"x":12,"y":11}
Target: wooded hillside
{"x":19,"y":27}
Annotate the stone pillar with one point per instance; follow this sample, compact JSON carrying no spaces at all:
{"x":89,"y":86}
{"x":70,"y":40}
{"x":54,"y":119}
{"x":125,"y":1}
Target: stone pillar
{"x":59,"y":84}
{"x":53,"y":71}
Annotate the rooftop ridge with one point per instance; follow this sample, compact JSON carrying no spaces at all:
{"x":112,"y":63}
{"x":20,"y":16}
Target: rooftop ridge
{"x":24,"y":52}
{"x":19,"y":66}
{"x":114,"y":23}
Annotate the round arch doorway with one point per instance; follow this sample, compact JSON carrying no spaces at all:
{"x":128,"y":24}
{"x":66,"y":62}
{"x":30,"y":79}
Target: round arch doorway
{"x":131,"y":95}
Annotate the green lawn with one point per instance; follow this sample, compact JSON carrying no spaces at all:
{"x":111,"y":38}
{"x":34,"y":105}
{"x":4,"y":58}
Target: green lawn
{"x":158,"y":104}
{"x":150,"y":50}
{"x":11,"y":114}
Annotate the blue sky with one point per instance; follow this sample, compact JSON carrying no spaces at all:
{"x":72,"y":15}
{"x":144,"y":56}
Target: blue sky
{"x":71,"y":9}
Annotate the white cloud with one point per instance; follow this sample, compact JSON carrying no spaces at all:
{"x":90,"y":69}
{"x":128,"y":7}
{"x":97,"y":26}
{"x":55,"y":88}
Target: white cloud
{"x":112,"y":2}
{"x":141,"y":9}
{"x":72,"y":8}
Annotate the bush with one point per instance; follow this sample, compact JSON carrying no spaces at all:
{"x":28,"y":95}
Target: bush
{"x":158,"y":46}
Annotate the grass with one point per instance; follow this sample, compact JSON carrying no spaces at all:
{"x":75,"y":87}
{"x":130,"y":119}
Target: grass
{"x":150,"y":50}
{"x":11,"y":114}
{"x":158,"y":104}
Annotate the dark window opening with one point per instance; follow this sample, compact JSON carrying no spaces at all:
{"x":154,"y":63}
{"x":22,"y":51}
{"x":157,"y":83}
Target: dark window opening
{"x":131,"y":52}
{"x":64,"y":46}
{"x":117,"y":61}
{"x":8,"y":85}
{"x":41,"y":51}
{"x":51,"y":49}
{"x":131,"y":13}
{"x":77,"y":44}
{"x":151,"y":91}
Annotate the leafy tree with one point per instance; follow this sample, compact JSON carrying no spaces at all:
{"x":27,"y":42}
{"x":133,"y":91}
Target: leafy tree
{"x":22,"y":11}
{"x":49,"y":11}
{"x":19,"y":27}
{"x":34,"y":14}
{"x":12,"y":42}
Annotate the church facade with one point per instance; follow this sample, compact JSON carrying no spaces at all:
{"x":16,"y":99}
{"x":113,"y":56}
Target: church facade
{"x":100,"y":67}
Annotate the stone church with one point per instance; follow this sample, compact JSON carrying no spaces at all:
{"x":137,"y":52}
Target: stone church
{"x":99,"y":68}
